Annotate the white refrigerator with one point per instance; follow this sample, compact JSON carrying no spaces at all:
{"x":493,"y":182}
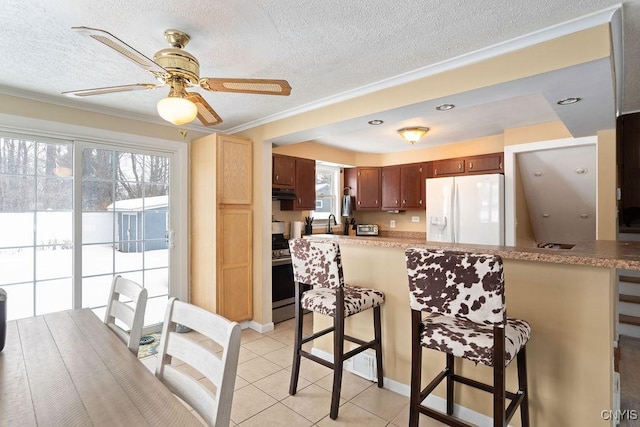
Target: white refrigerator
{"x":466,"y":209}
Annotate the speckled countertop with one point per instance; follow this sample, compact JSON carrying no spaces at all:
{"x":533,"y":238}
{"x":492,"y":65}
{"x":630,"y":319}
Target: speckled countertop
{"x":599,"y":253}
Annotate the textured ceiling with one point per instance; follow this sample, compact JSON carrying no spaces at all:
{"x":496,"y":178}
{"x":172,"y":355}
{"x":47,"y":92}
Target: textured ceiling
{"x":323,"y":48}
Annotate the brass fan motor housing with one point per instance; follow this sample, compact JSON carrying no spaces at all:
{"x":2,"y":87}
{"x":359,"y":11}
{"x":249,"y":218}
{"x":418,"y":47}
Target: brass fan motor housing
{"x":179,"y":63}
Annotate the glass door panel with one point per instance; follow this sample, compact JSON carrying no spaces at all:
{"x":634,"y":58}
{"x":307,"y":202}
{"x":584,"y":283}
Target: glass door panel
{"x":36,"y":219}
{"x":125,"y":196}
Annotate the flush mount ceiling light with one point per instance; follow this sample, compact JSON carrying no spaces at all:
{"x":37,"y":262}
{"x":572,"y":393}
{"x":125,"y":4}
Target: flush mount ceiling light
{"x":568,"y":101}
{"x":445,"y":107}
{"x":413,"y":134}
{"x":375,"y":122}
{"x":176,"y":108}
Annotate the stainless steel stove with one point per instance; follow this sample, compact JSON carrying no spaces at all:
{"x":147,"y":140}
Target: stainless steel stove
{"x":282,"y":284}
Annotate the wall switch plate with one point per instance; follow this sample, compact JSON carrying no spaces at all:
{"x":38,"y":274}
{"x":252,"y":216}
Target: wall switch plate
{"x":415,"y":219}
{"x":392,"y":223}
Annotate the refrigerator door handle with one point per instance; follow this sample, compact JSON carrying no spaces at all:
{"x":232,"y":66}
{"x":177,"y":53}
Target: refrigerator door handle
{"x":454,"y":213}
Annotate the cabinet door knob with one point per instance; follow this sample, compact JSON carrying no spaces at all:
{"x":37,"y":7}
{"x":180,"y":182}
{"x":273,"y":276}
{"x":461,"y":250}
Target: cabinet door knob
{"x":396,"y":201}
{"x":404,"y":202}
{"x":358,"y":201}
{"x":500,"y":166}
{"x":459,"y":165}
{"x":299,"y":200}
{"x":470,"y":165}
{"x":420,"y":202}
{"x":276,"y":177}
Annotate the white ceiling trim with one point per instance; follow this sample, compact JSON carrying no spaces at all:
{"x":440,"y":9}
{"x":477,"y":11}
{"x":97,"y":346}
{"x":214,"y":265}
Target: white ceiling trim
{"x":574,"y":25}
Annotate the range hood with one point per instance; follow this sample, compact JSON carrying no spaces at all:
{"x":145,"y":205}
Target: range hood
{"x":283,"y":194}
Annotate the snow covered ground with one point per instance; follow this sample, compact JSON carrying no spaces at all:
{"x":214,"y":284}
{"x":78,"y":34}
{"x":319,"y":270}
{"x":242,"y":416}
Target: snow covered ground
{"x":40,"y":281}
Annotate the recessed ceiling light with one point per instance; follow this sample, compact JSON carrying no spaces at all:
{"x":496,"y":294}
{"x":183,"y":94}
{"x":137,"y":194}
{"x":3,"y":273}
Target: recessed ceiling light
{"x":567,"y":101}
{"x":445,"y":107}
{"x":375,"y":122}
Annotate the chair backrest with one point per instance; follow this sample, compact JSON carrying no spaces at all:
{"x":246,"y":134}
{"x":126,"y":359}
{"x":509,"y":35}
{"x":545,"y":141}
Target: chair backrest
{"x":129,"y":311}
{"x":458,"y":284}
{"x":316,"y":263}
{"x":220,"y":368}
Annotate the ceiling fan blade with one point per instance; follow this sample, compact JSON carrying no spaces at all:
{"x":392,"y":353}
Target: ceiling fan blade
{"x":256,"y":86}
{"x":206,"y":114}
{"x":122,"y":48}
{"x":111,"y":89}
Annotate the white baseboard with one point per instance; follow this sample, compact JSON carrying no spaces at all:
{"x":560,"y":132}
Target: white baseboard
{"x":432,"y":401}
{"x":258,"y":327}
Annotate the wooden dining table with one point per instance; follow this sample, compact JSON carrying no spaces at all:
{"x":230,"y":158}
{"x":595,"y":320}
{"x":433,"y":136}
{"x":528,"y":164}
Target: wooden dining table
{"x":68,"y":369}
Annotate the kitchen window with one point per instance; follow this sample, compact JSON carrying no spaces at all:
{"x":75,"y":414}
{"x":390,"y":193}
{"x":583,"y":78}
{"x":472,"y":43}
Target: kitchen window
{"x":327,"y":193}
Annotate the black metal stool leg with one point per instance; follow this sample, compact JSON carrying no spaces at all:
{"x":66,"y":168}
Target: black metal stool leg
{"x":450,"y":383}
{"x":499,"y":382}
{"x":416,"y":368}
{"x":338,"y":353}
{"x":523,"y":386}
{"x":297,"y":345}
{"x":377,"y":326}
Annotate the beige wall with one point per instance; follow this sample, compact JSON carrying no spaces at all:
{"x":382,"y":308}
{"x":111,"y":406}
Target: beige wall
{"x":26,"y":108}
{"x":607,"y":212}
{"x":315,"y":151}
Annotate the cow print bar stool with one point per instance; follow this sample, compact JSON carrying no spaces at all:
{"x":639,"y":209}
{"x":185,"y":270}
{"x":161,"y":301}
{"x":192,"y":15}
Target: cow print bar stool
{"x":464,"y":296}
{"x":319,"y":264}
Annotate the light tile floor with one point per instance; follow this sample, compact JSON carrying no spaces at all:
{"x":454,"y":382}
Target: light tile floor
{"x":261,"y":396}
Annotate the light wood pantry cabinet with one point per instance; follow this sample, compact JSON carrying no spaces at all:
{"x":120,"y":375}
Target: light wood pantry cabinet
{"x":221,"y":226}
{"x":304,"y":187}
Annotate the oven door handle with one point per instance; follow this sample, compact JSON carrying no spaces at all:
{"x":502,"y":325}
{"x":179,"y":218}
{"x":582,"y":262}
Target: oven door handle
{"x":280,"y":261}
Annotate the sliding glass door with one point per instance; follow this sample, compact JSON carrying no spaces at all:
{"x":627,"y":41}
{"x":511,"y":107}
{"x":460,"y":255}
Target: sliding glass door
{"x":36,"y":219}
{"x":73,"y":215}
{"x":125,"y":225}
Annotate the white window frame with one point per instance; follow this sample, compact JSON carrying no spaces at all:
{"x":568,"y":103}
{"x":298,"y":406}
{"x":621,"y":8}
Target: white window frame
{"x":337,"y":187}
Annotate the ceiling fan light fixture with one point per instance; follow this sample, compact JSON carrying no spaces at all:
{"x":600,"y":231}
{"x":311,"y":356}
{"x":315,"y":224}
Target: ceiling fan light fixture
{"x":176,"y":110}
{"x":413,"y":134}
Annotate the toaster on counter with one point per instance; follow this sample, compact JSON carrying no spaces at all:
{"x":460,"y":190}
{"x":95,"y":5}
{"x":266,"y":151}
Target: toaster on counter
{"x":366,"y":230}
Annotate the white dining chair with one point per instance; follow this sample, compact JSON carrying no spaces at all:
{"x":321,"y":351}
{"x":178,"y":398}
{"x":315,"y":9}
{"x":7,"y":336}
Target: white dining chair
{"x":218,"y":365}
{"x":129,"y":311}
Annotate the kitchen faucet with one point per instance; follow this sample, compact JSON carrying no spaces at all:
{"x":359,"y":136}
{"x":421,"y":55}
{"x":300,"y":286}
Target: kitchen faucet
{"x":329,"y":231}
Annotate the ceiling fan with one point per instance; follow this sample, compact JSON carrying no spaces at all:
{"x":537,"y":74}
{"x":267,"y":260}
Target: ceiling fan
{"x":178,"y":69}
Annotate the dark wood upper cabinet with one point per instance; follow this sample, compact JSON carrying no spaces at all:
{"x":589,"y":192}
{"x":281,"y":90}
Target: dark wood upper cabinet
{"x":472,"y":165}
{"x":368,"y":192}
{"x":391,"y":187}
{"x":448,"y":167}
{"x":411,"y":186}
{"x":486,"y":163}
{"x":305,"y":186}
{"x":284,"y":169}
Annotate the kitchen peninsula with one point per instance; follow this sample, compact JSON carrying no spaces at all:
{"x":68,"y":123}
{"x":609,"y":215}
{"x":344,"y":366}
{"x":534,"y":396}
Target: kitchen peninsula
{"x":567,"y":295}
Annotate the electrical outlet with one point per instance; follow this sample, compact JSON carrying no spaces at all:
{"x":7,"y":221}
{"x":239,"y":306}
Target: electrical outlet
{"x":415,"y":219}
{"x":392,"y":223}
